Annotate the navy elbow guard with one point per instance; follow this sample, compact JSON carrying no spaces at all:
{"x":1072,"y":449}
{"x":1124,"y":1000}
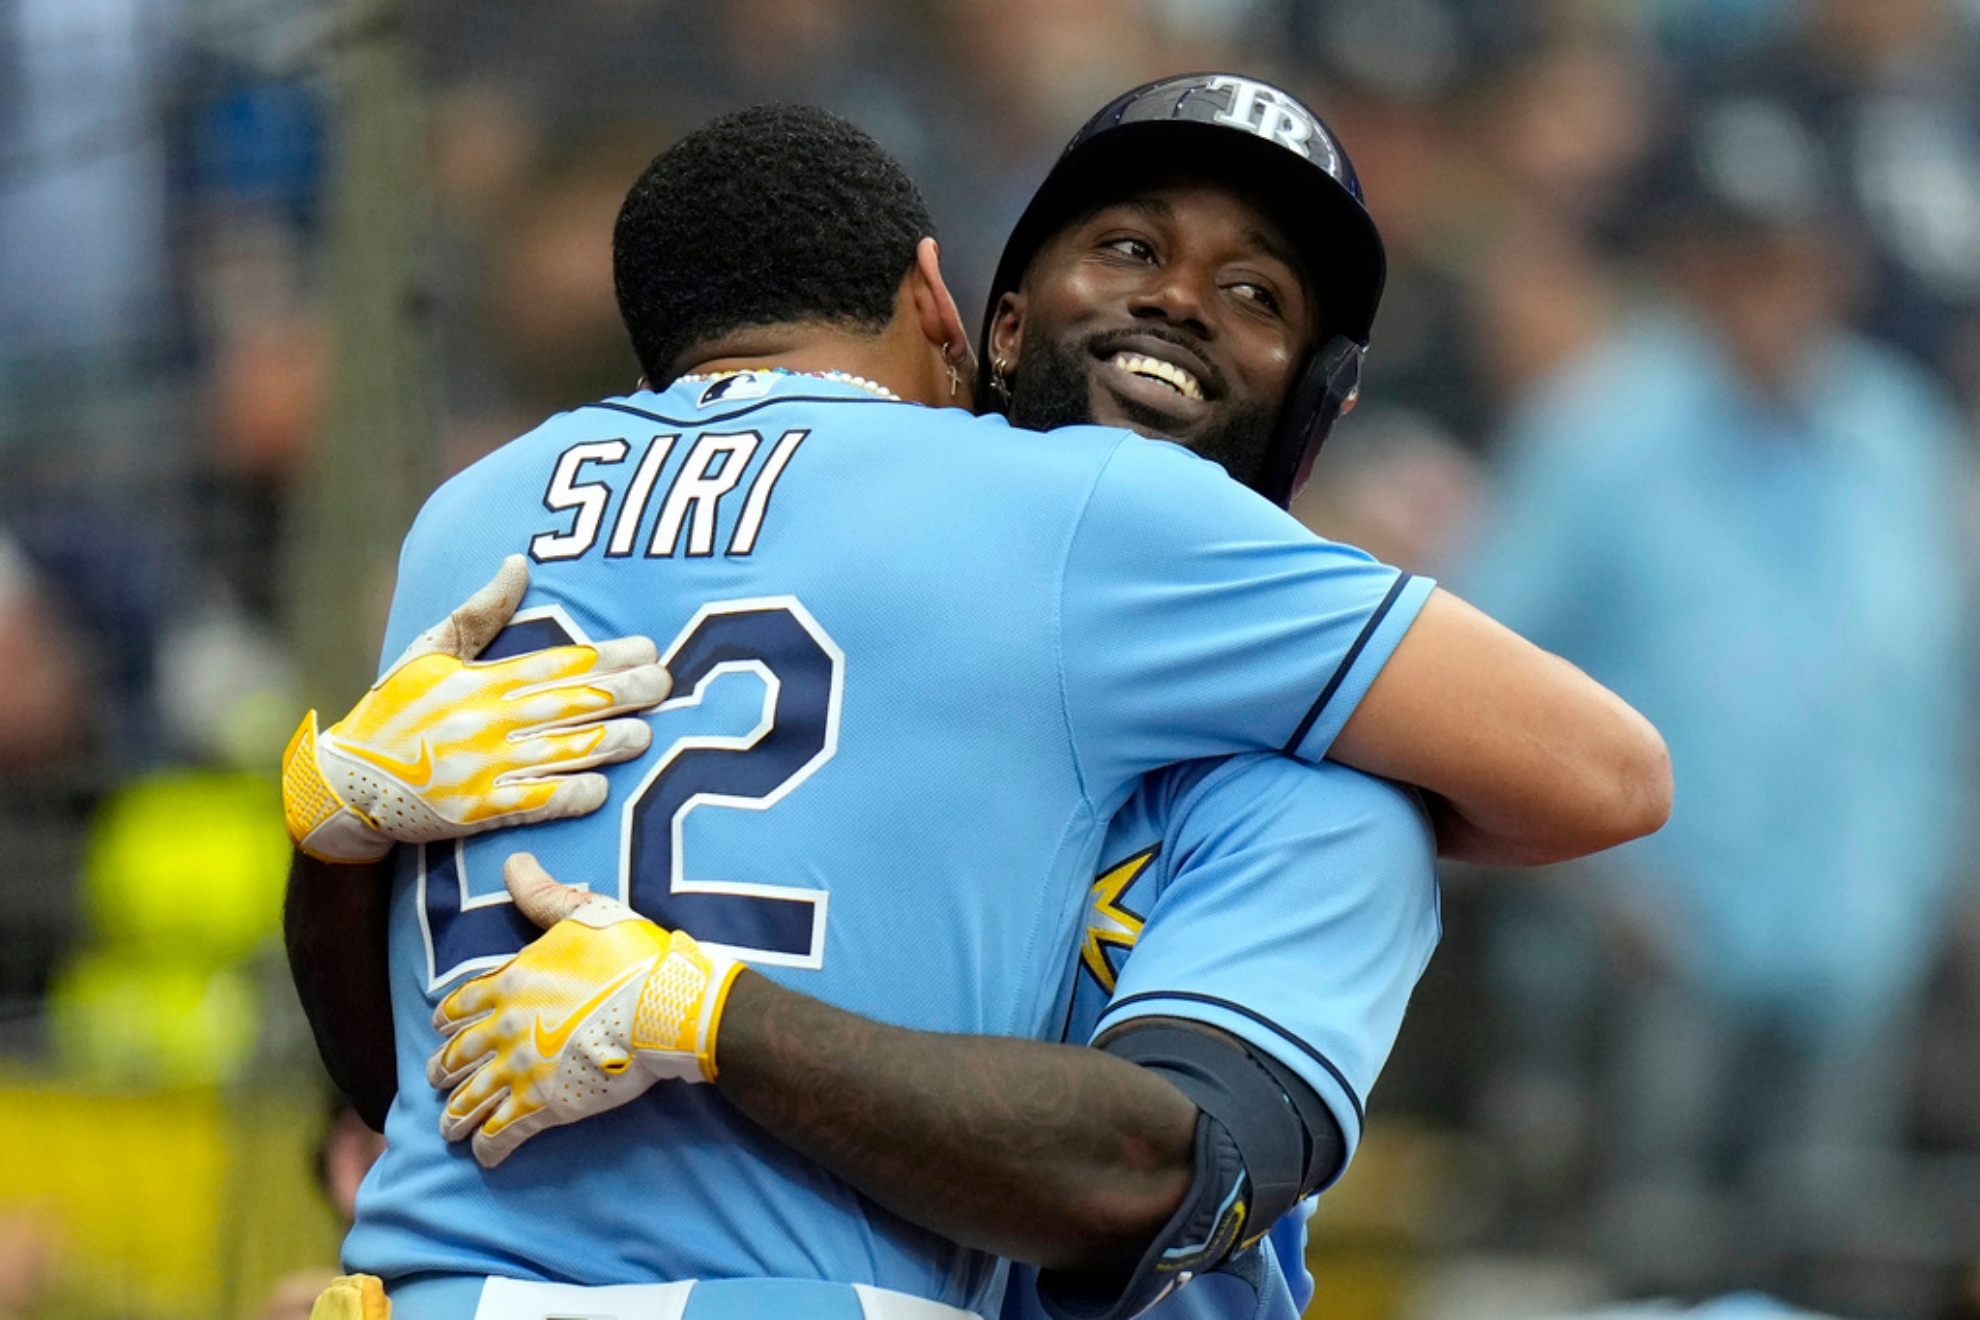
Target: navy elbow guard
{"x":1264,"y":1140}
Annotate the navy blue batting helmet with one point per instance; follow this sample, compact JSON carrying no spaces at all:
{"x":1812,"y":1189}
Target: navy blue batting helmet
{"x":1265,"y":142}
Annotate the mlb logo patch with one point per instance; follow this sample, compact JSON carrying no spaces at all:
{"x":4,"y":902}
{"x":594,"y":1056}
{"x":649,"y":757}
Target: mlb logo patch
{"x":732,"y":389}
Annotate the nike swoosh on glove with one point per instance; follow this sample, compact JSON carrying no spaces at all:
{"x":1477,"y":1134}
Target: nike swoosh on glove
{"x":445,"y":746}
{"x":584,"y":1020}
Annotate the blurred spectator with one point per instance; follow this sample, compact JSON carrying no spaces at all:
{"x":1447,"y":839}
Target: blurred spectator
{"x":1046,"y":64}
{"x":1392,"y":83}
{"x":1489,"y":139}
{"x":1707,"y":32}
{"x":83,"y":256}
{"x":1568,"y":119}
{"x":1747,"y":520}
{"x":1565,"y":126}
{"x":1892,"y":91}
{"x":556,"y":327}
{"x":44,"y":711}
{"x":86,"y":594}
{"x":530,"y":323}
{"x":115,"y":576}
{"x":249,"y":156}
{"x":1393,"y":483}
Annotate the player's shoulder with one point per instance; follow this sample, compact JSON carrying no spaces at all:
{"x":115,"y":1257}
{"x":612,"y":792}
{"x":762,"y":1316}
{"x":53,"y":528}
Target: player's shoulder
{"x":1131,"y":461}
{"x":1083,"y":448}
{"x":999,"y":470}
{"x":1154,"y":500}
{"x":1139,"y":464}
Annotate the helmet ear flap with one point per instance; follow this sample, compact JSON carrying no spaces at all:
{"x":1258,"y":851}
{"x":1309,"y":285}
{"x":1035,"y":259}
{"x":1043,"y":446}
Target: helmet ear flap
{"x":1327,"y":388}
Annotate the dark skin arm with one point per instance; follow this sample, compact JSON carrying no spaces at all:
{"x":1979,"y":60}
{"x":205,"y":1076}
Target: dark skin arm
{"x":334,"y":922}
{"x":1054,"y":1154}
{"x":1057,"y":1155}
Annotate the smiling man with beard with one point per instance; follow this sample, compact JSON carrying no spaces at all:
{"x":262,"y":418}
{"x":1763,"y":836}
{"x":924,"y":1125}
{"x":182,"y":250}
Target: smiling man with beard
{"x":1191,"y":282}
{"x":1114,"y":329}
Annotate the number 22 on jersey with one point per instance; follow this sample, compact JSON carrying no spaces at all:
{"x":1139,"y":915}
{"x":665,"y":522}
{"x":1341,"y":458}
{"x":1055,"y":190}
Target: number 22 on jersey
{"x":802,"y":671}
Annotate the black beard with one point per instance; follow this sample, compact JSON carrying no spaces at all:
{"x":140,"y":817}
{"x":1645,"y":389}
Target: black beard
{"x":1050,"y":388}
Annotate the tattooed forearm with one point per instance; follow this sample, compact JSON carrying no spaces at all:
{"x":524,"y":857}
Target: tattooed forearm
{"x":1054,"y":1154}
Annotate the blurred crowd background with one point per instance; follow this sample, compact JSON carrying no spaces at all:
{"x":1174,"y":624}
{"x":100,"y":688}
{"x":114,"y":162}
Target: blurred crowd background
{"x":1678,"y":372}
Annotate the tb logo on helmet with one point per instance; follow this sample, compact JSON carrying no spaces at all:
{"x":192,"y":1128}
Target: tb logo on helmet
{"x":1267,"y":112}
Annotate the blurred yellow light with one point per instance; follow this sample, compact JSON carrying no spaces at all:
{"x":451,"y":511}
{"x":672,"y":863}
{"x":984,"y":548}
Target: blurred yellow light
{"x":189,"y":865}
{"x":142,"y":1022}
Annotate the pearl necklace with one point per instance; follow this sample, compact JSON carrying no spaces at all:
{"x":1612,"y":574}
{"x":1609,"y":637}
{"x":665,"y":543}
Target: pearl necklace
{"x":838,"y":377}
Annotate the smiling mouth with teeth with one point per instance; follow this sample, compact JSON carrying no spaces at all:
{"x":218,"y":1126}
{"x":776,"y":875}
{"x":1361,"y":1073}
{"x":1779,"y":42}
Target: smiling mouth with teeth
{"x":1168,"y":373}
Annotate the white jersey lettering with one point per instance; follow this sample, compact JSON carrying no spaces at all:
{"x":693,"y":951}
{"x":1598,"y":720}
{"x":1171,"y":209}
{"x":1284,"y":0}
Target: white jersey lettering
{"x":711,"y":470}
{"x":589,"y":498}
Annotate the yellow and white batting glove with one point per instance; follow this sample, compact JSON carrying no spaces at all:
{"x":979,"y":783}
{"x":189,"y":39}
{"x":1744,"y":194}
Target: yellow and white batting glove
{"x":580,"y":1022}
{"x":444,"y":746}
{"x":352,"y":1297}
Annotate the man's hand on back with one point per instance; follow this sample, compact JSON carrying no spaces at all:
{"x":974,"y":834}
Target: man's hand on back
{"x":444,"y":746}
{"x":582,"y":1021}
{"x":1056,"y":1154}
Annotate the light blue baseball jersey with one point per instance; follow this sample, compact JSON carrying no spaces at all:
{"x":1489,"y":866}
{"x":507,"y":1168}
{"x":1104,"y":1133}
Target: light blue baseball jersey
{"x":919,"y":659}
{"x":1292,"y":905}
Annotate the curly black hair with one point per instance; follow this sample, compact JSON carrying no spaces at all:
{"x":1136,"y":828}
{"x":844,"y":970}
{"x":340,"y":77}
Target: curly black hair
{"x":772,"y":215}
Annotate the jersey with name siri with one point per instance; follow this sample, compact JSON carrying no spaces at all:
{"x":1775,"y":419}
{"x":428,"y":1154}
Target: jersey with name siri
{"x":919,"y":659}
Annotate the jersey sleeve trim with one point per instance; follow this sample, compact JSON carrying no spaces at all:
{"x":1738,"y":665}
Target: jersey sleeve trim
{"x":1256,"y":1029}
{"x":1376,"y":642}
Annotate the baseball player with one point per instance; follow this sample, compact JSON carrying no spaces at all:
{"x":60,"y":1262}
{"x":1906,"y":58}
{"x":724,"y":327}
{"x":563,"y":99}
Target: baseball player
{"x":1231,"y":916}
{"x":594,"y":500}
